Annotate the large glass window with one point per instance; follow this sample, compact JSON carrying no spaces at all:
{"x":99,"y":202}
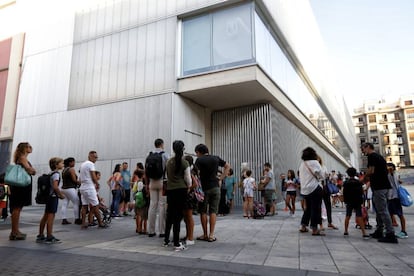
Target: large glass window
{"x":217,"y":40}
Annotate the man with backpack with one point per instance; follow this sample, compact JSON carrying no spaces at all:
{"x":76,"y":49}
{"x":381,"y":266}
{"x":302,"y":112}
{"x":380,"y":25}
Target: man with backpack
{"x":155,"y":174}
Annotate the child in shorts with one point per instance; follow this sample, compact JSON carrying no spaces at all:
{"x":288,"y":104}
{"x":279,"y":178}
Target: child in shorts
{"x":55,"y":164}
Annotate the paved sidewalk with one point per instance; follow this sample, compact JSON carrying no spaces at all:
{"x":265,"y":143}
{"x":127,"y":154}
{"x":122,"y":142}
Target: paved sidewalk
{"x":245,"y":246}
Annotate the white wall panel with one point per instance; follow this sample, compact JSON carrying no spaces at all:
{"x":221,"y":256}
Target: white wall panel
{"x":188,"y":123}
{"x":44,"y":83}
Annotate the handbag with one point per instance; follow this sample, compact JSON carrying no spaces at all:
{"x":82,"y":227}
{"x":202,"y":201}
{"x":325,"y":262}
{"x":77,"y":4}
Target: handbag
{"x":198,"y":191}
{"x":405,"y":197}
{"x":332,"y":188}
{"x":17,"y":176}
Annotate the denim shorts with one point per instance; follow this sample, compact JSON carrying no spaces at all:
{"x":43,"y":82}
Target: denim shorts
{"x":211,"y":201}
{"x":52,"y":205}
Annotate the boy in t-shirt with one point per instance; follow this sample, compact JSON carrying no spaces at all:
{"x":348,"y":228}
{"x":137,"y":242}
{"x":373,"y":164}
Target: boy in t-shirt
{"x":353,"y":198}
{"x":48,"y":218}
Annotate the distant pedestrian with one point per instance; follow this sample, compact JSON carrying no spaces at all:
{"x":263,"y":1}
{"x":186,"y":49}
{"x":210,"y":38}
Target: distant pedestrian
{"x":269,"y":190}
{"x":126,"y":186}
{"x":394,"y":202}
{"x":70,"y":191}
{"x":249,"y":184}
{"x":141,"y":208}
{"x":230,"y":183}
{"x":4,"y":197}
{"x":87,"y":189}
{"x":378,"y":176}
{"x":115,"y":184}
{"x":191,"y":203}
{"x":55,"y":164}
{"x":291,"y":189}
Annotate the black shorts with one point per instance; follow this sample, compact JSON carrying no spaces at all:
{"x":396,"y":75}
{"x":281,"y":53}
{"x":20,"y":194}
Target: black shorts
{"x":291,"y":193}
{"x":127,"y":196}
{"x":52,"y":205}
{"x":394,"y":207}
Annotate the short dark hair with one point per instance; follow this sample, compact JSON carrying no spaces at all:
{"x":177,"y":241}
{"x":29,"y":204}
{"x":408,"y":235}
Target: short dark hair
{"x":158,"y":142}
{"x":309,"y":154}
{"x":68,"y":160}
{"x":351,"y":172}
{"x":267,"y":164}
{"x":201,"y":148}
{"x":369,"y":145}
{"x":391,"y":165}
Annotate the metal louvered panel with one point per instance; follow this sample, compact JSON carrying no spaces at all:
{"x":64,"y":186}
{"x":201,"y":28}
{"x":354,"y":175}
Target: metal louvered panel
{"x":243,"y":135}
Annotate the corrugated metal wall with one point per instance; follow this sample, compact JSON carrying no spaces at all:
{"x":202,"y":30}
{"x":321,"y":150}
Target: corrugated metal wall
{"x":258,"y":134}
{"x":243,"y":135}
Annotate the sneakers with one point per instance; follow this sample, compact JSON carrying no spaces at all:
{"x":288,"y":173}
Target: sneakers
{"x":166,"y":244}
{"x":151,"y":235}
{"x":188,"y":242}
{"x":366,"y":237}
{"x":52,"y":240}
{"x":40,"y":238}
{"x":161,"y":235}
{"x":389,"y":238}
{"x":65,"y":222}
{"x":376,"y":235}
{"x":181,"y":247}
{"x":402,"y":235}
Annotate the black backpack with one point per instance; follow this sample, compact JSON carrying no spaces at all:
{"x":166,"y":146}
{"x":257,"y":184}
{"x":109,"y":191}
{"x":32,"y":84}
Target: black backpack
{"x":2,"y":192}
{"x":153,"y":165}
{"x":44,"y":186}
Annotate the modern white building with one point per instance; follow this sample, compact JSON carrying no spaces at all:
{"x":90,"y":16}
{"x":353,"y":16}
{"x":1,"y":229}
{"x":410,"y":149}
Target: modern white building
{"x":245,"y":77}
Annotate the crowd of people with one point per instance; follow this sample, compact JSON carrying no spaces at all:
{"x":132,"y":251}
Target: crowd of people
{"x":176,"y":187}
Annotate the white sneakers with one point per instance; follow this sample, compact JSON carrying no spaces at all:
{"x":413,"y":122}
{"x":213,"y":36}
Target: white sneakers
{"x":181,"y":247}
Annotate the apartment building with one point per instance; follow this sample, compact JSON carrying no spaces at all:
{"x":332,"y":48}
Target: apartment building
{"x":389,"y":125}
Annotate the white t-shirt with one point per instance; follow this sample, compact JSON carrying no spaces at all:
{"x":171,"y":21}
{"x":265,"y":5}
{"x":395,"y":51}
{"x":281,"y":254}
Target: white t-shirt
{"x":85,"y":175}
{"x":307,"y":179}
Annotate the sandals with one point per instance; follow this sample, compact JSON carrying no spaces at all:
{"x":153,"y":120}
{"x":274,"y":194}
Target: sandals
{"x":332,"y":227}
{"x":303,"y":230}
{"x":212,"y":239}
{"x":202,"y":238}
{"x":318,"y":233}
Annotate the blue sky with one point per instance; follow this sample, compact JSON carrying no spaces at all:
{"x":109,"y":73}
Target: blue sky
{"x":371,"y":46}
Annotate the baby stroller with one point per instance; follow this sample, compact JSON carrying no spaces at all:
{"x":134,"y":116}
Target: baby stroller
{"x":105,"y":213}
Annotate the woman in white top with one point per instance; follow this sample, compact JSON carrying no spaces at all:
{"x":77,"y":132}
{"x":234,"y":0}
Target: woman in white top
{"x":311,"y":188}
{"x":249,"y":185}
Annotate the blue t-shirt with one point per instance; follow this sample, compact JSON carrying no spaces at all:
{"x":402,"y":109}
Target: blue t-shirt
{"x":126,"y":179}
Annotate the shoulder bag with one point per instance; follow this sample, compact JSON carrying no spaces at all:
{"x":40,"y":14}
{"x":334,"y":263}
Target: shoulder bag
{"x":17,"y":176}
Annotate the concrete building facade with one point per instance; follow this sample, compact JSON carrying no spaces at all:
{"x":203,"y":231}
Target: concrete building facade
{"x":248,"y":78}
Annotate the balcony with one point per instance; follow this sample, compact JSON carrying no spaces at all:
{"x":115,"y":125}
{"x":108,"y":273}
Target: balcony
{"x":385,"y":132}
{"x":397,"y":130}
{"x":383,"y":121}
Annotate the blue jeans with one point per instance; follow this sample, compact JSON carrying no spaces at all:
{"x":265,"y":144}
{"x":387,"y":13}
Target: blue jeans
{"x":379,"y":199}
{"x":116,"y":199}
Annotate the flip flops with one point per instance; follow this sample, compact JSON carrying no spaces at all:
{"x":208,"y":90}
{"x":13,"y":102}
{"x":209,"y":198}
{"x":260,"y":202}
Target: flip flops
{"x":202,"y":238}
{"x":212,"y":239}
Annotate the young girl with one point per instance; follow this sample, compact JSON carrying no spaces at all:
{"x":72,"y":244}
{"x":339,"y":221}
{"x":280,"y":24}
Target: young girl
{"x":48,"y":218}
{"x":291,"y":185}
{"x":141,"y":213}
{"x":249,"y":185}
